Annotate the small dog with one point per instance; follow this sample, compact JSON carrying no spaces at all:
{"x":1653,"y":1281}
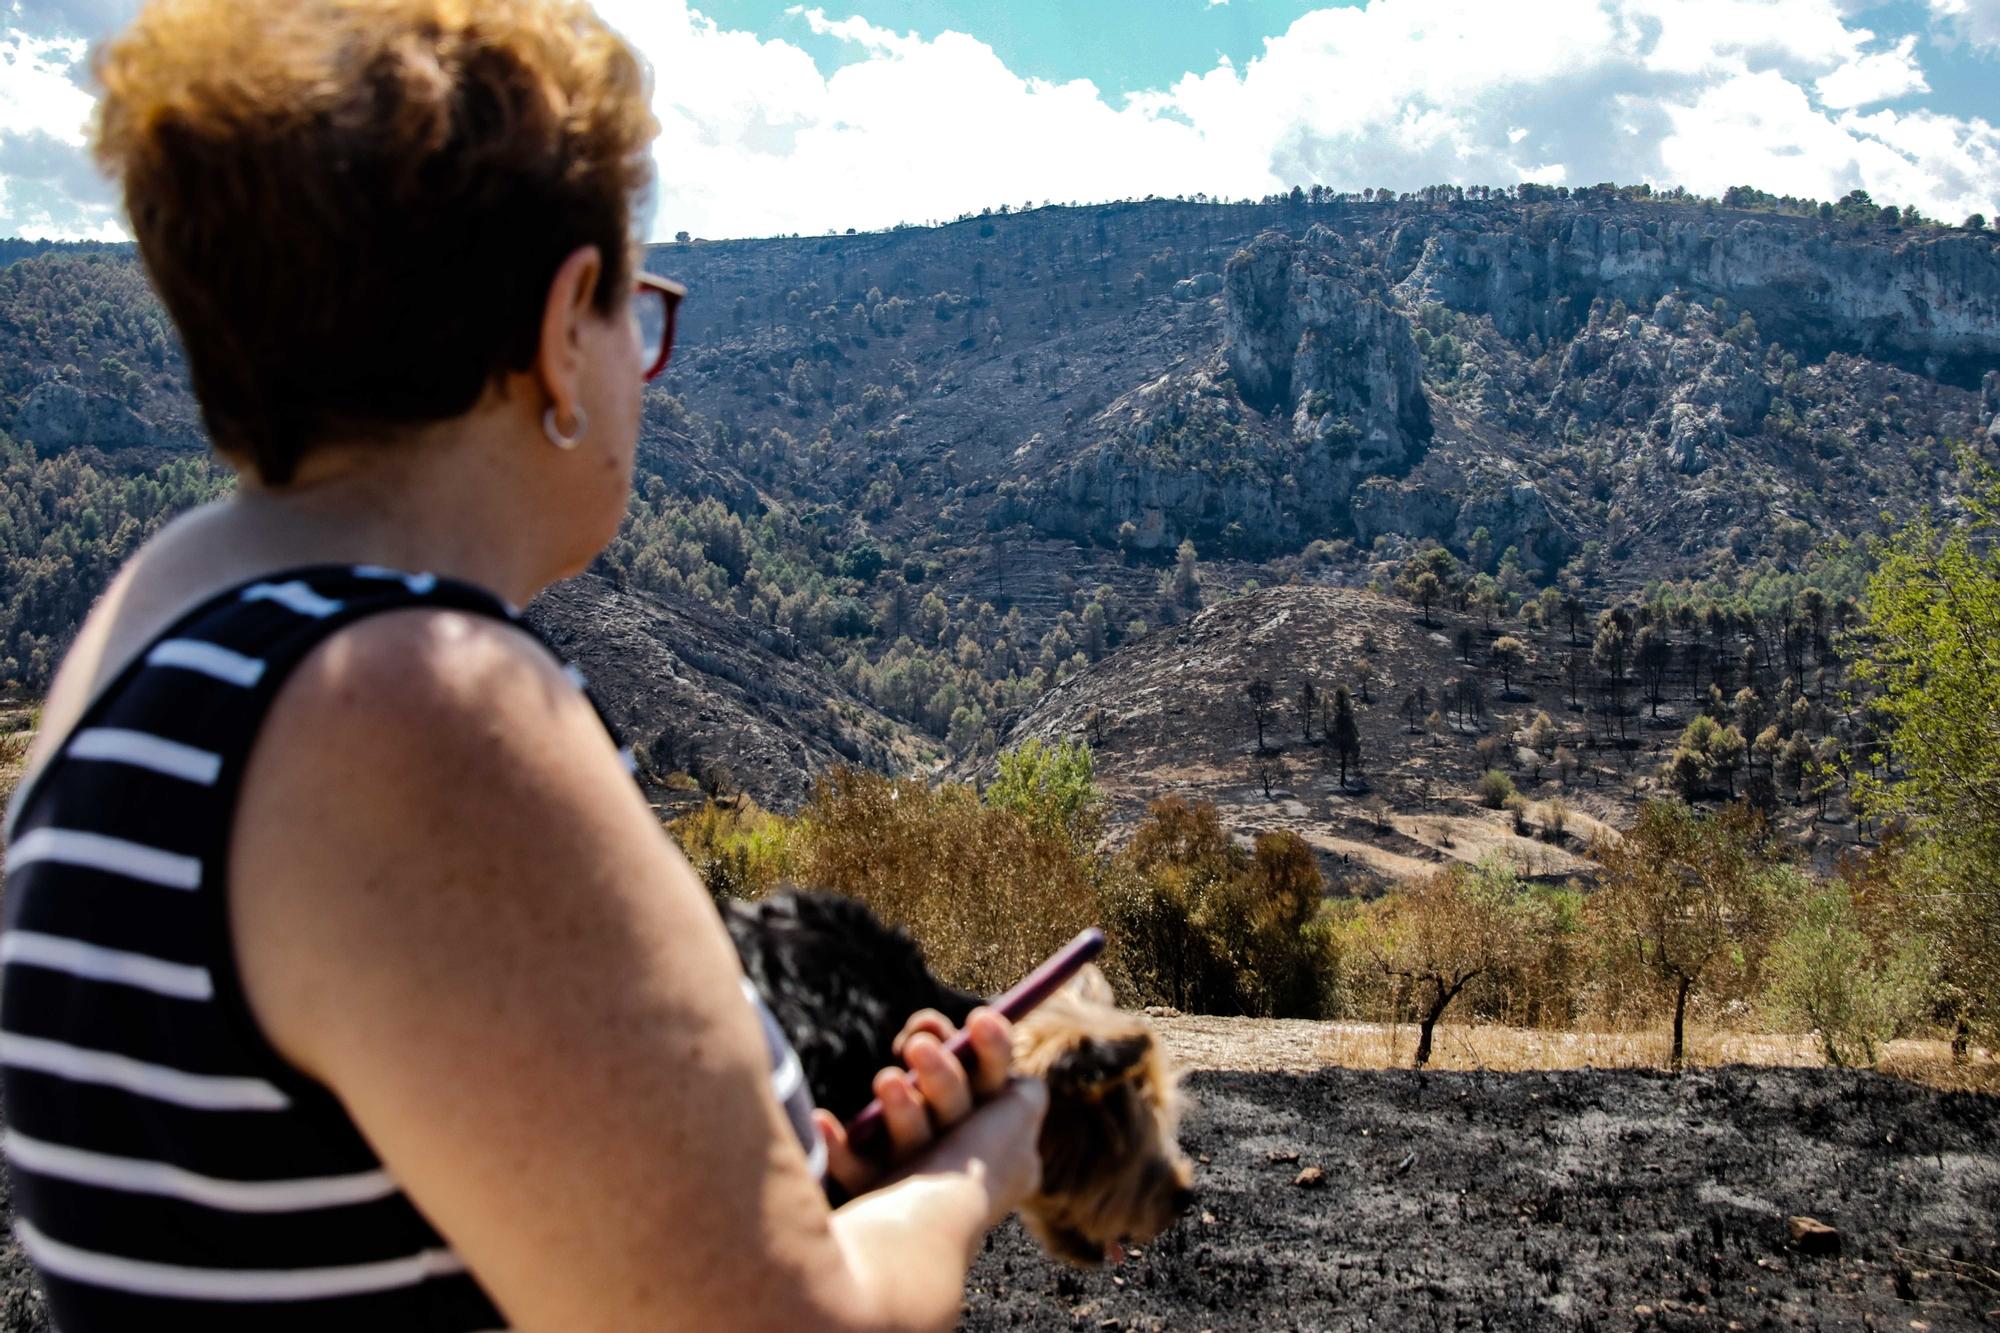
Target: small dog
{"x":841,"y":985}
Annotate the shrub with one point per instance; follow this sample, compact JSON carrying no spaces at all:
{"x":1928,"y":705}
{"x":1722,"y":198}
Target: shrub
{"x":1495,"y":789}
{"x":1566,"y":764}
{"x":1050,"y":788}
{"x":1551,"y":966}
{"x":1203,"y":925}
{"x":984,"y":894}
{"x":1517,"y":806}
{"x":738,"y":850}
{"x":1555,"y":818}
{"x":1823,"y":973}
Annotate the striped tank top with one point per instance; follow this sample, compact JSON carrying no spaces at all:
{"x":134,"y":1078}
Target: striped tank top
{"x":170,"y":1169}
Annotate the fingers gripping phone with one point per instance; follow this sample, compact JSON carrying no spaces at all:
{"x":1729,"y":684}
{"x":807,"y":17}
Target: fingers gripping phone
{"x":866,"y":1127}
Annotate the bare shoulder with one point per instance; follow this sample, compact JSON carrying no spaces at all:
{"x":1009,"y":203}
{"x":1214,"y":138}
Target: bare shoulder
{"x":451,"y":906}
{"x":445,"y":667}
{"x":423,"y":781}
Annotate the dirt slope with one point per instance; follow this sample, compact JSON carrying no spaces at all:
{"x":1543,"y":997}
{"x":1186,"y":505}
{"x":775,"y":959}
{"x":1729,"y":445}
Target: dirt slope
{"x":700,"y":688}
{"x":1169,"y":715}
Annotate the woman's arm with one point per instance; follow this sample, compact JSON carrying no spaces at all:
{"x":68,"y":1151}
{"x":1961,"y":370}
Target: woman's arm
{"x":451,"y":905}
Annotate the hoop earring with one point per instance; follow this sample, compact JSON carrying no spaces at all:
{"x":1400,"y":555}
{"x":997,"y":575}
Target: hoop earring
{"x":556,"y":437}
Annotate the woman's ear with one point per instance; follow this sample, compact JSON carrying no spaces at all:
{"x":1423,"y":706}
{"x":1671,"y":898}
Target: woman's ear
{"x":559,"y":358}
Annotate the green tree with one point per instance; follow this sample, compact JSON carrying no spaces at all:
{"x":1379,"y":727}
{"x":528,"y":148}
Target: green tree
{"x":1932,"y":620}
{"x":1052,"y":788}
{"x":1425,"y":589}
{"x":1440,"y":934}
{"x":1708,"y":753}
{"x":1184,"y":584}
{"x":1683,"y":900}
{"x":1510,"y":655}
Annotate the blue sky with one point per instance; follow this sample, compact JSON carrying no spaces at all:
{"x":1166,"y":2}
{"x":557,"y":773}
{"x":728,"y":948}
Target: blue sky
{"x":1122,"y":46}
{"x":779,"y":117}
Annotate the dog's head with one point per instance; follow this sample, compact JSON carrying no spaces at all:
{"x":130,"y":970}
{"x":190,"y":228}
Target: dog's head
{"x":1112,"y":1167}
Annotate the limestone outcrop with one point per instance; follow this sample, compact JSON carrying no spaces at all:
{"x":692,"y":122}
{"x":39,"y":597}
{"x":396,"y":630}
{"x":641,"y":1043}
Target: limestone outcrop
{"x":59,"y":415}
{"x":1318,"y":386}
{"x":1928,"y":301}
{"x":1450,"y":507}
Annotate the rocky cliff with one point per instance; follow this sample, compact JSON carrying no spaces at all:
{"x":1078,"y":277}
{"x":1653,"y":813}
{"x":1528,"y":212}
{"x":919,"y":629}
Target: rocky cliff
{"x":1317,"y":386}
{"x":1929,"y":301}
{"x":56,"y":415}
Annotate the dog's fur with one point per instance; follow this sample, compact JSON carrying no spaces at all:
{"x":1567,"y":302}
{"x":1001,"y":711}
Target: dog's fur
{"x":841,"y":985}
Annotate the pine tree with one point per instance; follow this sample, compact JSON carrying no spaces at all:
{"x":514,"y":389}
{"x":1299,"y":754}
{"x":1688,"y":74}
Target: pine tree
{"x":1346,"y":735}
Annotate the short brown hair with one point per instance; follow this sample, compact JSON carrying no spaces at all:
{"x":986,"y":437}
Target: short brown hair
{"x":353,"y":208}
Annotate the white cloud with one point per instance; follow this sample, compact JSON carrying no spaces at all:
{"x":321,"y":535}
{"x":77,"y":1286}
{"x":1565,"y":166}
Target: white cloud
{"x":48,"y":186}
{"x":1880,"y":77}
{"x":38,"y":93}
{"x":1977,"y":21}
{"x":1397,"y":93}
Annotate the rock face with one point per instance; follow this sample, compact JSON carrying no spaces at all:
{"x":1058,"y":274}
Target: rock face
{"x":1450,"y":507}
{"x":1318,"y":386}
{"x":1197,"y":286}
{"x":1308,"y":334}
{"x":1928,"y":302}
{"x":55,"y":415}
{"x":699,"y":689}
{"x":1989,"y":402}
{"x":1693,"y":437}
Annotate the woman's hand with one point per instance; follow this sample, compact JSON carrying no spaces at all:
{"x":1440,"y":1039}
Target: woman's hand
{"x":934,"y":1092}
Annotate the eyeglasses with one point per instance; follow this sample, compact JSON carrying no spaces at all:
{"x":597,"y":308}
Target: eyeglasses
{"x":656,"y":301}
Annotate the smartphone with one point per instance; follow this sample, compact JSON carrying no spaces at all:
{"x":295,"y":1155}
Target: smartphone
{"x":1031,"y":990}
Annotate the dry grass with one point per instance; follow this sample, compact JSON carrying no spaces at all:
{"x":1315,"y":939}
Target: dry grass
{"x":1204,"y":1042}
{"x":1470,"y":839}
{"x":17,"y":734}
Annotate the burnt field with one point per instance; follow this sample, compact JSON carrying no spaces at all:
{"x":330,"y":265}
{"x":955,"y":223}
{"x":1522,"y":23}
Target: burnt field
{"x":1574,"y":1199}
{"x":1578,"y":1199}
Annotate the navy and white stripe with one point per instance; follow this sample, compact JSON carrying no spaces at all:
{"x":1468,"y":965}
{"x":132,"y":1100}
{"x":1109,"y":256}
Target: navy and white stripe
{"x":210,"y":659}
{"x":170,"y":1169}
{"x":93,"y":962}
{"x":119,"y":746}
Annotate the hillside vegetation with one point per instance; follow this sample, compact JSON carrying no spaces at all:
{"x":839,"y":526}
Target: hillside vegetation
{"x":1388,"y":555}
{"x":953,"y":466}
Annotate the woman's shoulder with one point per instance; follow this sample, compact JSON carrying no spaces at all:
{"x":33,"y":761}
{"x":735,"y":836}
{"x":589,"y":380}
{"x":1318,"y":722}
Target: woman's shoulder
{"x":418,"y":697}
{"x":439,"y":757}
{"x":436,"y":657}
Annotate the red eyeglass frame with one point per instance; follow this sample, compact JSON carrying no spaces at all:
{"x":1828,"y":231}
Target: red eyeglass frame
{"x":673,"y":293}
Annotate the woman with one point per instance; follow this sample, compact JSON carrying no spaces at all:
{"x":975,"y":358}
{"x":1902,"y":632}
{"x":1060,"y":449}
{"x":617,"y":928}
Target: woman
{"x":349,"y":981}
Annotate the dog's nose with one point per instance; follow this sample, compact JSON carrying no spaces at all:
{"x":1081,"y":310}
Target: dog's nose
{"x":1183,"y":1199}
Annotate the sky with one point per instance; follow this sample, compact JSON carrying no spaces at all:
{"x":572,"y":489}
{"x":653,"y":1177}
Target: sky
{"x":780,"y":117}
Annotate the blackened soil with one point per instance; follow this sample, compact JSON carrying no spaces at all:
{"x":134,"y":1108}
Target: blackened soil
{"x":1588,"y":1200}
{"x":1563,"y":1200}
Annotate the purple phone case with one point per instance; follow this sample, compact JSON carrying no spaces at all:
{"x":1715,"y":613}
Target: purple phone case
{"x":1032,"y":989}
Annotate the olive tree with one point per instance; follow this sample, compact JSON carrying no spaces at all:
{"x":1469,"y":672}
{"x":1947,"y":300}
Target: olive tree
{"x":1683,"y":900}
{"x":1443,"y":932}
